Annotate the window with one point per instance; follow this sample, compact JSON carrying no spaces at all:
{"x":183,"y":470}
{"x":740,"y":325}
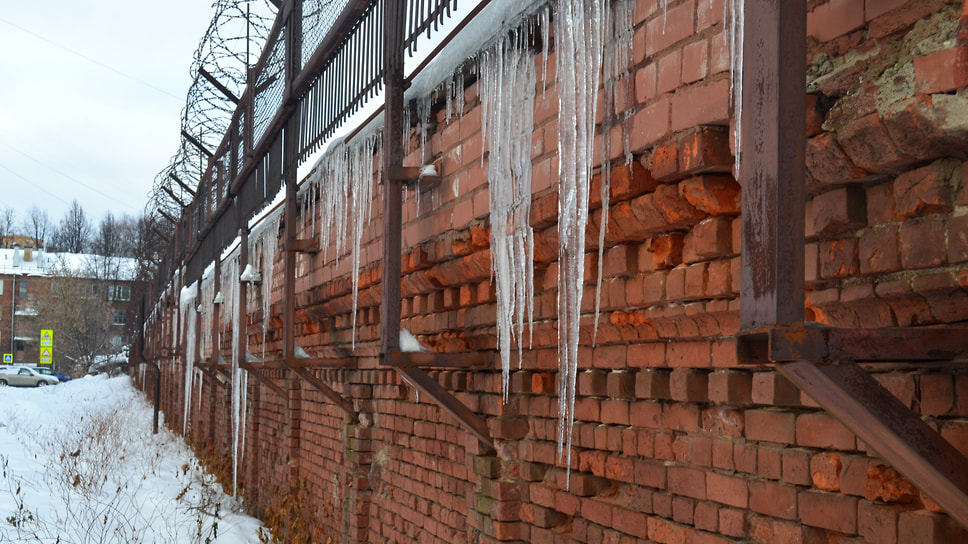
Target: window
{"x":1,"y":287}
{"x":119,"y":341}
{"x":22,"y":285}
{"x":120,"y":317}
{"x":94,"y":289}
{"x":119,"y":292}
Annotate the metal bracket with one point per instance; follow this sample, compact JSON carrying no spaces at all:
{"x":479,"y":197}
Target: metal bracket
{"x":471,"y":421}
{"x":303,"y":245}
{"x":326,"y":390}
{"x":409,"y":173}
{"x":257,"y":372}
{"x":888,"y":427}
{"x":818,"y":343}
{"x":437,"y":360}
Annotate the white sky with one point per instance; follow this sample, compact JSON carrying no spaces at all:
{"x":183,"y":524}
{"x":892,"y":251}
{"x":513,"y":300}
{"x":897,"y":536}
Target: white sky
{"x":71,"y":125}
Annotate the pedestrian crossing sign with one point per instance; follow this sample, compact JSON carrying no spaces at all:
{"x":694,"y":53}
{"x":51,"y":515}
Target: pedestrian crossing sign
{"x":8,"y":358}
{"x":46,"y":356}
{"x":47,"y":338}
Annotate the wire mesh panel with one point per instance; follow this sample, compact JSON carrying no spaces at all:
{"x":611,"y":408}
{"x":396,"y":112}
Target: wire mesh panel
{"x":425,"y":16}
{"x":269,"y":85}
{"x":353,"y":75}
{"x":318,"y":19}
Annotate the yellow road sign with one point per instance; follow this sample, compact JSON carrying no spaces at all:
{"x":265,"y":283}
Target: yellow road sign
{"x":46,"y":355}
{"x":46,"y":337}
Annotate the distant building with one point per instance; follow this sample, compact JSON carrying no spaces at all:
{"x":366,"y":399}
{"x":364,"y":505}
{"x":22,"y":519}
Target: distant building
{"x":25,"y":279}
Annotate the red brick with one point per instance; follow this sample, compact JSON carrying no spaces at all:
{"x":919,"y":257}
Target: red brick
{"x":723,"y":421}
{"x":828,"y":511}
{"x":926,"y":190}
{"x":835,"y":212}
{"x":701,"y":104}
{"x":705,"y":151}
{"x":630,"y":180}
{"x":878,"y":250}
{"x":774,"y":389}
{"x":770,"y":426}
{"x":651,"y":384}
{"x":838,"y":258}
{"x":666,"y":532}
{"x":820,"y":430}
{"x":877,"y":522}
{"x":886,"y":484}
{"x":942,"y":71}
{"x":868,"y":144}
{"x":620,"y":385}
{"x":688,"y":354}
{"x":773,"y":499}
{"x":687,"y":481}
{"x":957,"y":229}
{"x":825,"y":471}
{"x":695,"y":61}
{"x":730,"y":386}
{"x":796,"y":467}
{"x":732,"y":522}
{"x":649,"y":125}
{"x":665,"y":163}
{"x":730,"y":490}
{"x":922,"y":244}
{"x":689,"y":385}
{"x":668,"y":71}
{"x":674,"y":25}
{"x":665,"y":251}
{"x":919,"y":527}
{"x":715,"y":194}
{"x":834,"y":19}
{"x":646,"y":414}
{"x":681,"y":417}
{"x":827,"y":163}
{"x":918,"y":128}
{"x":937,"y":394}
{"x":710,"y":239}
{"x":615,"y":412}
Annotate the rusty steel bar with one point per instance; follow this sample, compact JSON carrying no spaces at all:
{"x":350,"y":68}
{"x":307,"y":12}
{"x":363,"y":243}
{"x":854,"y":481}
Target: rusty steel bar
{"x":326,"y":390}
{"x":471,"y":421}
{"x":772,"y":162}
{"x":392,"y":190}
{"x":889,"y":428}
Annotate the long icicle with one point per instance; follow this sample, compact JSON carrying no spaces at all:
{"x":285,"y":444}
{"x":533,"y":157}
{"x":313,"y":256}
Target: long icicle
{"x":578,"y":62}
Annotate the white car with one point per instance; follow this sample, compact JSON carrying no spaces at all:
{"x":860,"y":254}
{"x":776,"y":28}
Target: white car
{"x":24,"y":376}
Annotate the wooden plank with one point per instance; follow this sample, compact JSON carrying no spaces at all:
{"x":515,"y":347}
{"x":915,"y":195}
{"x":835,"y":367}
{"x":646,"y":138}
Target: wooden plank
{"x":471,"y":421}
{"x":772,"y":162}
{"x":889,"y":428}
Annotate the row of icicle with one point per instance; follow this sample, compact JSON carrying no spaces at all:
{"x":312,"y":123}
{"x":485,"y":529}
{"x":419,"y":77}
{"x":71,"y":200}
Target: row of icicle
{"x":593,"y":49}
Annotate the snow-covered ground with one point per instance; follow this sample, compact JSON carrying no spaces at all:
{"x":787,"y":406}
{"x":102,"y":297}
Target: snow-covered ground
{"x":78,"y":464}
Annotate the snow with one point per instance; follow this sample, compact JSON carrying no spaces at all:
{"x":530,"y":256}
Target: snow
{"x":79,"y":464}
{"x":409,"y":342}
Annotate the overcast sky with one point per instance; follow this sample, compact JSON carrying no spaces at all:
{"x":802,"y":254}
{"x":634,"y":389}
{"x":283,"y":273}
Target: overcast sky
{"x":90,"y":99}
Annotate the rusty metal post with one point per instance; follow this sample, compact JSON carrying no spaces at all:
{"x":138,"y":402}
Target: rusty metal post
{"x":290,"y":161}
{"x":772,"y":162}
{"x":392,"y":189}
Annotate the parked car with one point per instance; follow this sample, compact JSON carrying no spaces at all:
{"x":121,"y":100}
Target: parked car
{"x":48,"y":372}
{"x":24,"y":376}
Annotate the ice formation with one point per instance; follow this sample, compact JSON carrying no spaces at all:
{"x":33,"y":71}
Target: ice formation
{"x":232,"y":307}
{"x":507,"y":111}
{"x":262,"y":247}
{"x":343,"y":178}
{"x":733,"y":22}
{"x":579,"y":35}
{"x":617,"y":59}
{"x":188,"y":318}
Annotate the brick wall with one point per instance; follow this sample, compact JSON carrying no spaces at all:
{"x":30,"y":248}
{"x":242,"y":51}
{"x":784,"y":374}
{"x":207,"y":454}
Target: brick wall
{"x":674,"y":442}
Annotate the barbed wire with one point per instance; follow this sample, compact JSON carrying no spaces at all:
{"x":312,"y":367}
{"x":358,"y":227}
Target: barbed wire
{"x":231,"y":44}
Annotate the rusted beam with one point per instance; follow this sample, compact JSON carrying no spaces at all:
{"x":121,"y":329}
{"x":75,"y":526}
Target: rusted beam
{"x":816,"y":343}
{"x":889,"y":428}
{"x":171,"y":193}
{"x":215,"y":376}
{"x":171,"y":219}
{"x":772,"y":162}
{"x":257,"y":372}
{"x":409,"y":173}
{"x":393,"y":190}
{"x":218,"y":85}
{"x":471,"y":421}
{"x":303,"y":245}
{"x":475,"y":359}
{"x":194,"y":141}
{"x":326,"y":390}
{"x":181,"y":184}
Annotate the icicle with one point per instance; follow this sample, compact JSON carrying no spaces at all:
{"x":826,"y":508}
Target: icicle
{"x":578,"y":61}
{"x":188,"y":319}
{"x":545,"y":45}
{"x":617,"y":58}
{"x":507,"y":110}
{"x":736,"y":22}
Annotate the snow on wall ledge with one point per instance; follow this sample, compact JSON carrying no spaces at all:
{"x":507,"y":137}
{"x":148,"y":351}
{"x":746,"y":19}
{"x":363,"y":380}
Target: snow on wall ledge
{"x":671,"y":440}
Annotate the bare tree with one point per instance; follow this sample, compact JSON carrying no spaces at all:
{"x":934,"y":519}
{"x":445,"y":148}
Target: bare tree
{"x":81,"y":316}
{"x":36,"y":225}
{"x":8,"y":218}
{"x":74,"y":233}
